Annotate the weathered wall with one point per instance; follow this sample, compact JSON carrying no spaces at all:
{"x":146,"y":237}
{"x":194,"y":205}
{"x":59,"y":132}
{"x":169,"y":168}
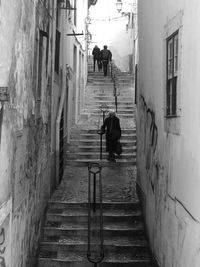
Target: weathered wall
{"x":77,"y":64}
{"x":25,"y":139}
{"x":168,"y":155}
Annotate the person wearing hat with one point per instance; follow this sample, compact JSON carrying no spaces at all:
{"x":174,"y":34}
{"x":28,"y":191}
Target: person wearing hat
{"x":106,"y":57}
{"x":111,"y":127}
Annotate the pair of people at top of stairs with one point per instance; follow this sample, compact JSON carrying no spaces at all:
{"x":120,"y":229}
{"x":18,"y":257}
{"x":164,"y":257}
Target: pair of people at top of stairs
{"x":102,"y":57}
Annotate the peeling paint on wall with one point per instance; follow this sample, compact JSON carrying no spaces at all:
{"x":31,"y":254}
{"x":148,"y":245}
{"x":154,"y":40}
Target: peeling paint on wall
{"x":25,"y":157}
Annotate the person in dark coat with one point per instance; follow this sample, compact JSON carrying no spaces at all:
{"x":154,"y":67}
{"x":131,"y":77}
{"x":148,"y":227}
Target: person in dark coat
{"x":106,"y":57}
{"x":112,"y":128}
{"x":96,"y":52}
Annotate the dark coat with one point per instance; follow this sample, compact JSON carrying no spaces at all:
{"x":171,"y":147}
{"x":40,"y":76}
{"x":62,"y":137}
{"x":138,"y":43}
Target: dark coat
{"x":111,"y":126}
{"x":106,"y":55}
{"x":96,"y":52}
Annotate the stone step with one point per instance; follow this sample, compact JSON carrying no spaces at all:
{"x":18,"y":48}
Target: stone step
{"x":107,"y":102}
{"x":120,"y":116}
{"x":54,"y":233}
{"x":63,"y":246}
{"x":87,"y":155}
{"x":80,"y":225}
{"x":93,"y":149}
{"x":134,"y":218}
{"x":119,"y":162}
{"x":94,"y":131}
{"x":120,"y":98}
{"x":81,"y":136}
{"x":72,"y":261}
{"x":119,"y":111}
{"x":96,"y":143}
{"x":118,"y":241}
{"x":108,"y":207}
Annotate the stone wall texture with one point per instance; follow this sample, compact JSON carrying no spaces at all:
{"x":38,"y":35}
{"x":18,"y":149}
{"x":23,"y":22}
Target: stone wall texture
{"x":25,"y":131}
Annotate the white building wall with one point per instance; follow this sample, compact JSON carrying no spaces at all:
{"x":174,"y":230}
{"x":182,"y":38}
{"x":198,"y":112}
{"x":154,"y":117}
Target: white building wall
{"x":79,"y":41}
{"x":169,"y":169}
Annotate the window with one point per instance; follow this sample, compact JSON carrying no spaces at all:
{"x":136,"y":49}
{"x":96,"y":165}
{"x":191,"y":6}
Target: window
{"x":172,"y":75}
{"x":40,"y":66}
{"x":42,"y":63}
{"x":57,"y":51}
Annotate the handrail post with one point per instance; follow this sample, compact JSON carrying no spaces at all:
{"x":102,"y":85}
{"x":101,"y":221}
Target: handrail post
{"x":95,"y":168}
{"x":101,"y":147}
{"x":94,"y":192}
{"x":104,"y":109}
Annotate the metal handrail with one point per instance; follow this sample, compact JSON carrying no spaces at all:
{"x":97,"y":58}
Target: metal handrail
{"x":114,"y":80}
{"x":112,"y":72}
{"x":115,"y":93}
{"x":94,"y":169}
{"x":104,"y":109}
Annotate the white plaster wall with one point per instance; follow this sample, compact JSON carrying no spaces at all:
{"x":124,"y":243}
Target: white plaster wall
{"x":172,"y":184}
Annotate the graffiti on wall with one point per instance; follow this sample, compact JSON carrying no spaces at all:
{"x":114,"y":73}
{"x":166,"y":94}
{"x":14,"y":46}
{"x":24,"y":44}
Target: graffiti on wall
{"x":2,"y":248}
{"x":149,"y":132}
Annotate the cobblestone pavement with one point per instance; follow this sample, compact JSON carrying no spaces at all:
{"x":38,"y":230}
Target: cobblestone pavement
{"x":119,"y":184}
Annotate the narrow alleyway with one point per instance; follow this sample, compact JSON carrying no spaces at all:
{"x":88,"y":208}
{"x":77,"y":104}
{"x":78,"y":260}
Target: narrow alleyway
{"x":64,"y":240}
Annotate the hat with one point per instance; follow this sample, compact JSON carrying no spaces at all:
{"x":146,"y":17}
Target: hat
{"x":111,"y":112}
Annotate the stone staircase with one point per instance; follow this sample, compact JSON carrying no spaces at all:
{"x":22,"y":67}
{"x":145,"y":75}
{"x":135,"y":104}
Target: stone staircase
{"x":64,"y":242}
{"x":64,"y":239}
{"x":84,"y":144}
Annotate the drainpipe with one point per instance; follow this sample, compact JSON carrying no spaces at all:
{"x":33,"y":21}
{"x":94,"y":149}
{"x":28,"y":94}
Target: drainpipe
{"x":60,"y":108}
{"x":63,"y":84}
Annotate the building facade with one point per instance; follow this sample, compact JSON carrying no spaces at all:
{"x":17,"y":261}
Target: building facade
{"x":42,"y":79}
{"x":168,"y":128}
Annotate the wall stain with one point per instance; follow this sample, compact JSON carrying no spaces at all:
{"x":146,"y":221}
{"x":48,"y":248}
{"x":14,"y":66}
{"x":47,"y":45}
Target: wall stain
{"x":2,"y":251}
{"x":150,"y":134}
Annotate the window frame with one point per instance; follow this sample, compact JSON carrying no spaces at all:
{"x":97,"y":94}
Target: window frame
{"x":171,"y":82}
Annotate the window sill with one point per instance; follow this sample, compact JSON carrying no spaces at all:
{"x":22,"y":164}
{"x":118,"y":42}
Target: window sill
{"x":171,"y":116}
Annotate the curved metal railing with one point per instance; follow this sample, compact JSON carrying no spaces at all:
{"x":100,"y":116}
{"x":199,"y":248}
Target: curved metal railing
{"x":95,"y":169}
{"x":114,"y":79}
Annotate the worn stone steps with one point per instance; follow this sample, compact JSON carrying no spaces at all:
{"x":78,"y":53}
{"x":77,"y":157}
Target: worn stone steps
{"x":95,"y":136}
{"x":91,"y":155}
{"x":108,"y":262}
{"x":53,"y":232}
{"x":84,"y":146}
{"x":94,"y":103}
{"x":126,"y":149}
{"x":114,"y":208}
{"x":103,"y":162}
{"x":65,"y":232}
{"x":64,"y":240}
{"x":82,"y":130}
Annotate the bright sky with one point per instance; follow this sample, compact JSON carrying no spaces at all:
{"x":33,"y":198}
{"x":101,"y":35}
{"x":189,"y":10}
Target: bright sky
{"x":106,"y":22}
